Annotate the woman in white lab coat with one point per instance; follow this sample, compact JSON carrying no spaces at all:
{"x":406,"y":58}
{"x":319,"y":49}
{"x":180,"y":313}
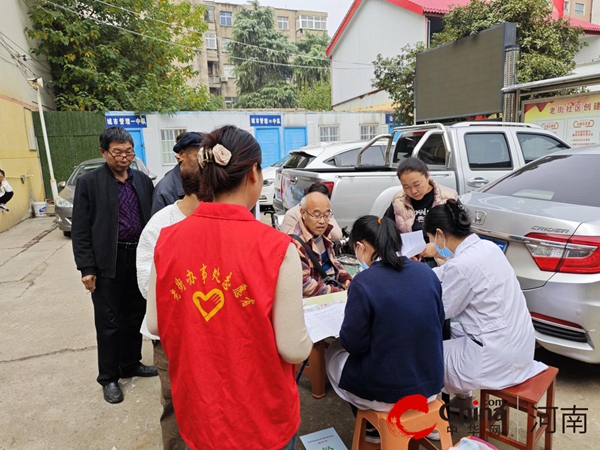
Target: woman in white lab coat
{"x":493,"y":339}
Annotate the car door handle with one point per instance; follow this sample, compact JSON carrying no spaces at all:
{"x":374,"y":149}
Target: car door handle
{"x":477,"y":182}
{"x":293,"y":180}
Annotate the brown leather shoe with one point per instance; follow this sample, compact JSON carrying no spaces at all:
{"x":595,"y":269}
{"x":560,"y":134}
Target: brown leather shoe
{"x":112,"y":392}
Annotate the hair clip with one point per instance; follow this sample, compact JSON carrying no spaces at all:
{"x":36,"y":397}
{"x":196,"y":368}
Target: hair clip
{"x":218,"y":154}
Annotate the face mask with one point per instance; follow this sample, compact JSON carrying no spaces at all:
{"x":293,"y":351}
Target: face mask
{"x":444,"y":252}
{"x":363,"y":265}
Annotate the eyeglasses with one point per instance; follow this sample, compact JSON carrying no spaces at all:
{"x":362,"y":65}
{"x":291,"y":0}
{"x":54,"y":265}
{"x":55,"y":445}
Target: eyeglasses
{"x":323,"y":217}
{"x":125,"y":155}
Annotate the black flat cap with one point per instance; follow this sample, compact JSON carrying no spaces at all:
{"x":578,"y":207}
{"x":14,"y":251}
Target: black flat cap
{"x":189,"y":139}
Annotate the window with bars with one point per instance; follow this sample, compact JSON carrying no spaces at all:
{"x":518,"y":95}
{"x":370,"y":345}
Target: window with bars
{"x":283,"y":23}
{"x":329,"y":133}
{"x":368,"y":131}
{"x":167,"y":141}
{"x":211,"y":41}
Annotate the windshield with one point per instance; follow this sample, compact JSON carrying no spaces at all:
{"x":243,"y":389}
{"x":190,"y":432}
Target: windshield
{"x":578,"y":175}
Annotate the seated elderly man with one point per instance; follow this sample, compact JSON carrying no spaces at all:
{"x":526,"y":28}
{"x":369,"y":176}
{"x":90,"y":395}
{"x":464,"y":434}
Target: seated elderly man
{"x":294,"y":215}
{"x":319,"y":264}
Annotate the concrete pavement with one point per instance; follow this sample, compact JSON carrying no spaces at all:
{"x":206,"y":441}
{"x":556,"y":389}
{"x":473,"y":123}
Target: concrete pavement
{"x":49,"y":398}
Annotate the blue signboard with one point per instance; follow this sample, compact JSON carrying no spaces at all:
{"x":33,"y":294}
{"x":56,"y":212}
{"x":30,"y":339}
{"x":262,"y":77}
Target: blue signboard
{"x":127,"y":121}
{"x":390,"y":119}
{"x":265,"y":121}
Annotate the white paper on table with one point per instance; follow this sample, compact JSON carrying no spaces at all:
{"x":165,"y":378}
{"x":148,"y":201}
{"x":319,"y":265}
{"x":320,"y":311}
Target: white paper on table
{"x":319,"y":440}
{"x":413,"y":243}
{"x":324,"y":322}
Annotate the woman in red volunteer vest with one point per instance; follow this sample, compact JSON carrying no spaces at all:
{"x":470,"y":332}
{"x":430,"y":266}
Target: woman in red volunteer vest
{"x":227,"y":305}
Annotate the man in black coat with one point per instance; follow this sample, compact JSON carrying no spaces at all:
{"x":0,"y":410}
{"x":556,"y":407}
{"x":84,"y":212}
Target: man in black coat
{"x":111,"y":207}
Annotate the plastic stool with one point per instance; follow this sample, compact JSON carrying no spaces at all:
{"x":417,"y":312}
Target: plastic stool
{"x":411,"y":420}
{"x":524,"y":397}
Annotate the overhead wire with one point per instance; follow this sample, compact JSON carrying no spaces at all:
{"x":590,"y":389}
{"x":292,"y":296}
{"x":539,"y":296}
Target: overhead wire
{"x":194,"y":48}
{"x":39,"y":63}
{"x":230,"y":40}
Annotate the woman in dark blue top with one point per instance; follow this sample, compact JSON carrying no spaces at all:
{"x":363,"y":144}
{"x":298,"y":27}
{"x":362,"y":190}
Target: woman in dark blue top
{"x":390,"y":343}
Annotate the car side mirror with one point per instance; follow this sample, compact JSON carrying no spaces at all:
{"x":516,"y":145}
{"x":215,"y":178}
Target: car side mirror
{"x":62,"y":184}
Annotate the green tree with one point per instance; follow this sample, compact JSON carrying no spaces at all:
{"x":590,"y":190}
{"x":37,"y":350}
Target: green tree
{"x":97,"y":65}
{"x":261,"y":55}
{"x":547,"y":45}
{"x":316,"y":97}
{"x":312,"y":59}
{"x":396,"y":76}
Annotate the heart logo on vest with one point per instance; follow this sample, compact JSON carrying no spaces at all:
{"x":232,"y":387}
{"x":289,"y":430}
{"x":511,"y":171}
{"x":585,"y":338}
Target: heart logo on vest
{"x":214,"y":301}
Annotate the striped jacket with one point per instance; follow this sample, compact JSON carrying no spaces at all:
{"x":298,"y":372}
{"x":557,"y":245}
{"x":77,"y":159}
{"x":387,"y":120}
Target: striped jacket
{"x":312,"y":284}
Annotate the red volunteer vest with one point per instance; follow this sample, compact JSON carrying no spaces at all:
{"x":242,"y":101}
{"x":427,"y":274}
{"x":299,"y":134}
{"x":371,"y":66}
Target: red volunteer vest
{"x":216,"y":277}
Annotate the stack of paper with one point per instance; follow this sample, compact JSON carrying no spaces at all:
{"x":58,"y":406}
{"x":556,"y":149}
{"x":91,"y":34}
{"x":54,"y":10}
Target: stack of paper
{"x":325,"y":321}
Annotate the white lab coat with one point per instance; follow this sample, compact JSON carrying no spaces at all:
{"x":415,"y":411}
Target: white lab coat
{"x":481,"y":294}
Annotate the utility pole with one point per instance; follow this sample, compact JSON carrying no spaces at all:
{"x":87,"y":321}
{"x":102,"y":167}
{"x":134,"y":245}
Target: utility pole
{"x":38,"y":84}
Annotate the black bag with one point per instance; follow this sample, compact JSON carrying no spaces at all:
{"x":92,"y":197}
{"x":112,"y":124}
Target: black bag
{"x":311,"y":255}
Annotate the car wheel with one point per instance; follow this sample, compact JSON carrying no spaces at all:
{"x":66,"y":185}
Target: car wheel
{"x":67,"y":233}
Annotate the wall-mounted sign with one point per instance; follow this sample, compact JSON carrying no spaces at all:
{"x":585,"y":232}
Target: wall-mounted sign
{"x":391,"y":119}
{"x":265,"y":121}
{"x":126,"y":121}
{"x":575,"y":118}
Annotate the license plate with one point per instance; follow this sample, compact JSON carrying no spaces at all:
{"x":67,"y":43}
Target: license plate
{"x":499,"y":243}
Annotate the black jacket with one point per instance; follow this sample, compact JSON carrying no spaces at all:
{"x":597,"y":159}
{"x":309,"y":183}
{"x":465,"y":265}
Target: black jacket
{"x":96,"y":219}
{"x":168,"y":190}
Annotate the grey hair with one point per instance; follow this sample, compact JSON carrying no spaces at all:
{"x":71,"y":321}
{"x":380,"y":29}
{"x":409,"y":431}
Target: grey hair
{"x":303,"y":203}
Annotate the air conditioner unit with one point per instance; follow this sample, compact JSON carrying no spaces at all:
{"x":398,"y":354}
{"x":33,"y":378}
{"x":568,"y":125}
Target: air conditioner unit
{"x":224,"y":79}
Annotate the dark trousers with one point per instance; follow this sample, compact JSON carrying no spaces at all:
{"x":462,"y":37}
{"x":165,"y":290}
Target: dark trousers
{"x":119,"y":309}
{"x":6,"y":197}
{"x":168,"y":423}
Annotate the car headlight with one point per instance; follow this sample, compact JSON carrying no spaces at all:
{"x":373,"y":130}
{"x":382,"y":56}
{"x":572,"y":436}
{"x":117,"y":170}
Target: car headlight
{"x":63,"y":203}
{"x":268,"y":182}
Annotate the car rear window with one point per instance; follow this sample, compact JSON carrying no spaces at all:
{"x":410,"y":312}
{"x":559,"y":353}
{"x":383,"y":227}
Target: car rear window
{"x":569,"y":179}
{"x":298,"y":161}
{"x":373,"y":156}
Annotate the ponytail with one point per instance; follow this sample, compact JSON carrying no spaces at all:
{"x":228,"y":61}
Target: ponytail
{"x":451,"y":218}
{"x":383,"y":236}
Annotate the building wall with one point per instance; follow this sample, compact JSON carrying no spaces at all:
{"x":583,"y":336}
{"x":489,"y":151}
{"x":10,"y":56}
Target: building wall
{"x":18,"y":149}
{"x":377,"y":27}
{"x":573,"y":8}
{"x":349,"y":124}
{"x":214,"y":65}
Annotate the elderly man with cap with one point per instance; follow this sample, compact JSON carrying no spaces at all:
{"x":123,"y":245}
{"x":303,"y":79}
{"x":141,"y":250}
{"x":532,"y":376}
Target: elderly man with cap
{"x":169,"y":189}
